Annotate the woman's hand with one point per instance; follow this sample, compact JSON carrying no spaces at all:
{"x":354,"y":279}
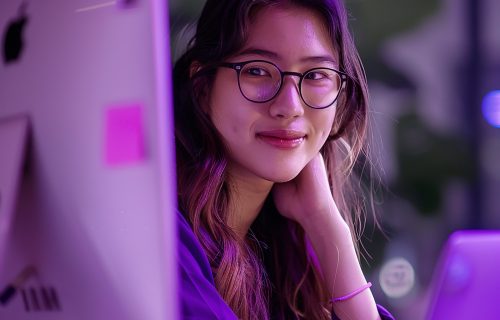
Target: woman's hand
{"x":307,"y":197}
{"x":308,"y":200}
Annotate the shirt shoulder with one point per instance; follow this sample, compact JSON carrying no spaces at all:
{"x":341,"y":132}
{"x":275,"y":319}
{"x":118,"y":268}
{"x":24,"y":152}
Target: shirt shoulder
{"x":198,"y":295}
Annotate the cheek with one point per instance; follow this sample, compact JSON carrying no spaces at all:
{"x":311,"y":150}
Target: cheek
{"x":222,"y":122}
{"x":324,"y":123}
{"x":227,"y":114}
{"x":331,"y":123}
{"x":324,"y":129}
{"x":217,"y":108}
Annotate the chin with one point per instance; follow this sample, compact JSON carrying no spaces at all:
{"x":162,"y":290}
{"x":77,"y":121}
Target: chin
{"x":283,"y":176}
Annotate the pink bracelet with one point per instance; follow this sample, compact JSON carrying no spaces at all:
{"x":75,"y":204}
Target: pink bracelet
{"x":352,"y":294}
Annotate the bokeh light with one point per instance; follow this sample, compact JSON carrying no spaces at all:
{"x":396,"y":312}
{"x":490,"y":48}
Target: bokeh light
{"x":491,"y":108}
{"x":397,"y":277}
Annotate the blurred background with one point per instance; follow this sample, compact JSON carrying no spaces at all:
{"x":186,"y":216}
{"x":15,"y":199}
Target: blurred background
{"x":434,"y":74}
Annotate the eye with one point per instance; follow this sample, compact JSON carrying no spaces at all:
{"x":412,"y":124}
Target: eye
{"x":257,"y":71}
{"x":317,"y":75}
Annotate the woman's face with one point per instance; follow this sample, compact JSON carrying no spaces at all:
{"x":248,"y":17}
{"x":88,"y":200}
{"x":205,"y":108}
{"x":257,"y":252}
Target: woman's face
{"x":275,"y":140}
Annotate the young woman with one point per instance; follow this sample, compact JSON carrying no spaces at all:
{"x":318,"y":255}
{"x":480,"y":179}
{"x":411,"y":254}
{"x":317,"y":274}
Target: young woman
{"x":271,"y":114}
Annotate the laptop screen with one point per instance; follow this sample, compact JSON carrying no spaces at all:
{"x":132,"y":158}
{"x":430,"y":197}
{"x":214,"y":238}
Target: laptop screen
{"x":467,"y":281}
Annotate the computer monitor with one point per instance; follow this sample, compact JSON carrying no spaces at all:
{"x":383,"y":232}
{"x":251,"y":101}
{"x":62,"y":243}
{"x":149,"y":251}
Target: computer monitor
{"x":86,"y":213}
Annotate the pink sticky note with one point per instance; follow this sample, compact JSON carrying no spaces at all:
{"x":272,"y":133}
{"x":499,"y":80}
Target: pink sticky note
{"x":124,"y":135}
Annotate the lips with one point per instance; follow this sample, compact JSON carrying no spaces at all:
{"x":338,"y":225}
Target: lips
{"x":283,"y":139}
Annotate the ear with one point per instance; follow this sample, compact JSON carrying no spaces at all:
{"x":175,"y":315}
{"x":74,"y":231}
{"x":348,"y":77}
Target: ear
{"x":194,"y":68}
{"x":199,"y":85}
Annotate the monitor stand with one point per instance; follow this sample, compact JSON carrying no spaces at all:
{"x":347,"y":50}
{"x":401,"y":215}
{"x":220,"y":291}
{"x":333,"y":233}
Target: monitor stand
{"x":13,"y":141}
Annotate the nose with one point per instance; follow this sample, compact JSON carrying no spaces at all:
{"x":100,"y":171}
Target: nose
{"x":288,"y":103}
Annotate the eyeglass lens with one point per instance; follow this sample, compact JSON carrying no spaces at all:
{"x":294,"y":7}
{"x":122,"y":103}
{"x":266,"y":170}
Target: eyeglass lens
{"x":260,"y":81}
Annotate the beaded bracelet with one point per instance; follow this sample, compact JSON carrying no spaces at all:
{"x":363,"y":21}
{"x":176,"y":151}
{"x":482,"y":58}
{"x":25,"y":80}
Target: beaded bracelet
{"x":352,"y":294}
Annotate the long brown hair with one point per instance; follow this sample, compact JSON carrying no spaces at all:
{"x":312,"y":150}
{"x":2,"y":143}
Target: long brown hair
{"x":290,"y":285}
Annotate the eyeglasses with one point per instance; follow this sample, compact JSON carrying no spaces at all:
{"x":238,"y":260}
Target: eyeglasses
{"x":260,"y":81}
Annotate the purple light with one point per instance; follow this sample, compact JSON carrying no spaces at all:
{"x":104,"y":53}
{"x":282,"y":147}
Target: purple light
{"x":491,"y":108}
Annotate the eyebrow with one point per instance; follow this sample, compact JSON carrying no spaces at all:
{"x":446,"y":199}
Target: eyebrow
{"x":260,"y":52}
{"x":274,"y":55}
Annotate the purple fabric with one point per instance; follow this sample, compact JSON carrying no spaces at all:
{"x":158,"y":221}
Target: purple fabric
{"x":384,"y":314}
{"x":199,"y":297}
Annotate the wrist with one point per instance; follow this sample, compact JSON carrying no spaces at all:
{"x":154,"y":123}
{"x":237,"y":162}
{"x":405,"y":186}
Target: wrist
{"x":325,"y":222}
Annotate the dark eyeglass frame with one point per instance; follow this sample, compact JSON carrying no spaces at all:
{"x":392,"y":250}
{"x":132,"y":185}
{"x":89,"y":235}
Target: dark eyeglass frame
{"x":238,"y":66}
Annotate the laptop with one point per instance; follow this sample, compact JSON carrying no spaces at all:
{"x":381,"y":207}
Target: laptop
{"x":87,"y":177}
{"x":467,"y":278}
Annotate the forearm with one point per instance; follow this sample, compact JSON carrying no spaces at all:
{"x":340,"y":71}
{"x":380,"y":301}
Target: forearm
{"x":332,"y":243}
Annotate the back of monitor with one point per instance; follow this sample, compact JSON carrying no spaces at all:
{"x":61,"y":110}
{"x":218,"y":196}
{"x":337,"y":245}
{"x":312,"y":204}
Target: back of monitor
{"x":90,"y":234}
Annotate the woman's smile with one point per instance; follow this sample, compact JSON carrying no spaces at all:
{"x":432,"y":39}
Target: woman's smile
{"x":282,"y":138}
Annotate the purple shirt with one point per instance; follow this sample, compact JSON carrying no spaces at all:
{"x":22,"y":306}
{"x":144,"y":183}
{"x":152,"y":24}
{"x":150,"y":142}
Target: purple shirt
{"x":199,"y":297}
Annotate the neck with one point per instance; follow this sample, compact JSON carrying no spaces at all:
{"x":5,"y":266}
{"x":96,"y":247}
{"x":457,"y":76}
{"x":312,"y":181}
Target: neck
{"x":248,"y":196}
